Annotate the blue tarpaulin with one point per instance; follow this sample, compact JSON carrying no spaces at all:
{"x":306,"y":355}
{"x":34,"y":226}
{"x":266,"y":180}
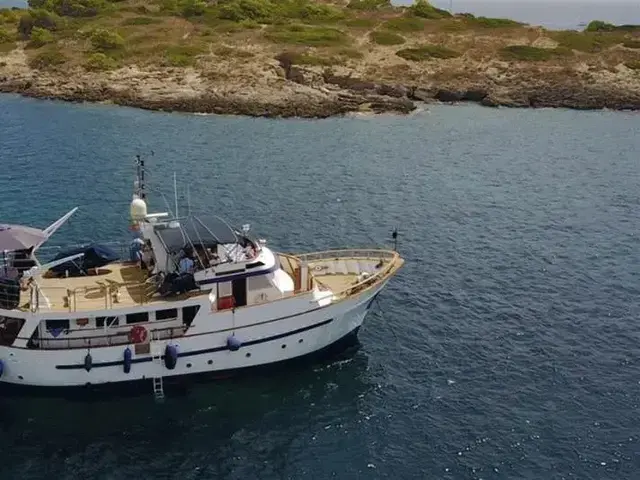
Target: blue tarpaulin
{"x":95,"y":256}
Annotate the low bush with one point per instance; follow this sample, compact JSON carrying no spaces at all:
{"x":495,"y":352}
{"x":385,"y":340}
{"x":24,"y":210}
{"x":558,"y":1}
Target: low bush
{"x":140,"y":21}
{"x":40,"y":37}
{"x":532,"y":54}
{"x":38,"y":18}
{"x":182,"y":55}
{"x":631,"y":43}
{"x":422,"y":8}
{"x":100,"y":62}
{"x":405,"y":24}
{"x":382,"y":37}
{"x":368,"y":5}
{"x":47,"y":59}
{"x":427,"y":52}
{"x":306,"y":35}
{"x":586,"y":42}
{"x":104,"y":40}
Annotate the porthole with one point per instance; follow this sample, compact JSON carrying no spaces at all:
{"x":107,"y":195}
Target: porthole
{"x":300,"y":341}
{"x":188,"y":365}
{"x":20,"y":377}
{"x":210,"y":362}
{"x":248,"y":354}
{"x":284,"y":346}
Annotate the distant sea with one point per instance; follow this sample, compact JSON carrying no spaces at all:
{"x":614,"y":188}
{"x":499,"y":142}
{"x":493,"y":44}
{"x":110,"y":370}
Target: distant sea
{"x":568,"y":14}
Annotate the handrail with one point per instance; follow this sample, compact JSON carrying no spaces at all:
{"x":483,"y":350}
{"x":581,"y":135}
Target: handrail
{"x":103,"y":340}
{"x":393,"y":264}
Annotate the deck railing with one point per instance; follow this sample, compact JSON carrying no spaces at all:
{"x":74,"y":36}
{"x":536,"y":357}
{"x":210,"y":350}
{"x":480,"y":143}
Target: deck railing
{"x":387,"y":261}
{"x":113,"y":339}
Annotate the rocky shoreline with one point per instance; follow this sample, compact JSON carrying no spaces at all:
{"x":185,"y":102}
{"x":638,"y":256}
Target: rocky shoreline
{"x":339,"y":96}
{"x":284,"y":90}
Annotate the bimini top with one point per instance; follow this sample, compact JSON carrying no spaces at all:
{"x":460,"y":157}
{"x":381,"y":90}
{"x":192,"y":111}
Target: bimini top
{"x":206,"y":231}
{"x":19,"y":237}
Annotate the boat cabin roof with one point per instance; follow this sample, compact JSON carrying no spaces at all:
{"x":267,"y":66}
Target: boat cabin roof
{"x":207,"y":231}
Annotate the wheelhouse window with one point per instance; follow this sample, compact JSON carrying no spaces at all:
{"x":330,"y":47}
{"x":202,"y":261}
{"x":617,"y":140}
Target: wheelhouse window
{"x":189,"y":313}
{"x":169,"y":314}
{"x":137,"y":317}
{"x":9,"y":329}
{"x":107,"y":321}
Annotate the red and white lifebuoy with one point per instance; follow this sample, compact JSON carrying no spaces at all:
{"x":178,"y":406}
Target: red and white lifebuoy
{"x":138,"y":334}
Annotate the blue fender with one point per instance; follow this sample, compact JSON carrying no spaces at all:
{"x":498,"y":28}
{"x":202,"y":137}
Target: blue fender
{"x":127,"y":360}
{"x":233,"y":343}
{"x":88,"y":362}
{"x":170,"y":357}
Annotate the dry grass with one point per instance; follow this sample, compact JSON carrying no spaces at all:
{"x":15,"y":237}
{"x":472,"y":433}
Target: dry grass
{"x":361,"y":37}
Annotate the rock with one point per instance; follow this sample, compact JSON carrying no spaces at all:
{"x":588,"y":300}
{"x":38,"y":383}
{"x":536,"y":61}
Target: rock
{"x":449,"y":96}
{"x":420,"y":94}
{"x":397,"y":91}
{"x":474,"y":95}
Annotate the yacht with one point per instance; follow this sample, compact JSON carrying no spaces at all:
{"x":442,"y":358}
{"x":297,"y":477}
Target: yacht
{"x":193,"y":295}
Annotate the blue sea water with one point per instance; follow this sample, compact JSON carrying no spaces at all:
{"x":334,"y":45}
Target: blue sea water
{"x":506,"y":348}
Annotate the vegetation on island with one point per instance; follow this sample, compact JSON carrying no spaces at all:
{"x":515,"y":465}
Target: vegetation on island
{"x":102,"y":35}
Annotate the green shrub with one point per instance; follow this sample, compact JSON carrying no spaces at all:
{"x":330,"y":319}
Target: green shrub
{"x":427,"y":52}
{"x":386,"y":38}
{"x":405,"y":24}
{"x":361,"y":23}
{"x":100,"y":62}
{"x":532,"y":54}
{"x":313,"y":11}
{"x":182,"y":55}
{"x":295,"y":58}
{"x":488,"y":22}
{"x":47,"y":59}
{"x":306,"y":35}
{"x":633,"y":64}
{"x":9,"y":16}
{"x":104,"y":40}
{"x":140,"y":21}
{"x":38,"y":18}
{"x":71,"y":8}
{"x":586,"y":42}
{"x":368,"y":5}
{"x":238,"y":10}
{"x":422,"y":8}
{"x":40,"y":37}
{"x":600,"y":26}
{"x":192,"y":8}
{"x":6,"y":36}
{"x":168,"y":6}
{"x":631,"y":43}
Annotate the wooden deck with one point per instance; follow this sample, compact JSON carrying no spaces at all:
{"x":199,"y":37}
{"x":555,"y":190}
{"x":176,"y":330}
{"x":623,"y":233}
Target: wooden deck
{"x":115,"y":286}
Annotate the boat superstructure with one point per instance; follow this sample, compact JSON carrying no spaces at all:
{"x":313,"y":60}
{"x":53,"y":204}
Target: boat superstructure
{"x":194,"y":296}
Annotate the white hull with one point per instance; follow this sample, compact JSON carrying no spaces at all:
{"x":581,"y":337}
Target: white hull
{"x":269,"y":333}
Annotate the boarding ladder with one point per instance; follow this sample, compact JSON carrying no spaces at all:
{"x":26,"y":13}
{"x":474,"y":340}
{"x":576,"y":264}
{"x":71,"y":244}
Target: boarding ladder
{"x":156,"y":360}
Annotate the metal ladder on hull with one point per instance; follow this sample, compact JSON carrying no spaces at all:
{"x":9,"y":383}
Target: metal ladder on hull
{"x":156,"y":359}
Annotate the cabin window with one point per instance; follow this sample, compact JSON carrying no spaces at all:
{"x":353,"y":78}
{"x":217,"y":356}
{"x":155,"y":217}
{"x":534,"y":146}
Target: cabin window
{"x":9,"y":329}
{"x":56,"y":327}
{"x":189,"y":313}
{"x":171,"y":313}
{"x":108,"y":321}
{"x":138,"y":317}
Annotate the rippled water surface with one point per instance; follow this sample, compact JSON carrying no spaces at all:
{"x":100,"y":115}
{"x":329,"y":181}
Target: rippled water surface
{"x":507,"y":347}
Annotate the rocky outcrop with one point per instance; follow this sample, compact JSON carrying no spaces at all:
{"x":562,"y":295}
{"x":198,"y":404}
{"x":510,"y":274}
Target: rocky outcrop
{"x":289,"y":90}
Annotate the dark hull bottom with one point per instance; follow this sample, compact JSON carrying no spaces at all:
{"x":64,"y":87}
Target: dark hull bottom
{"x":180,"y":385}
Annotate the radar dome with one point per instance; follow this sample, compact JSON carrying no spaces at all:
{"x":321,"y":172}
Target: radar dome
{"x":138,"y":209}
